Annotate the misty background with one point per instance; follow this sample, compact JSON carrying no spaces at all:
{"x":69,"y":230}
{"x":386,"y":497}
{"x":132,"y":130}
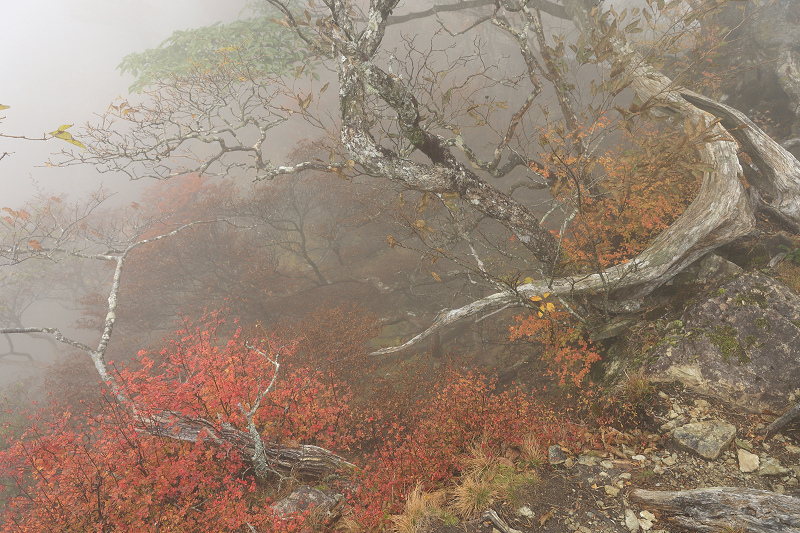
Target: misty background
{"x":59,"y":66}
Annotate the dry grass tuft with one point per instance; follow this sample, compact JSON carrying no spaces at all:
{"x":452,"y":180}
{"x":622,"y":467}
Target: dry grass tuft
{"x":479,"y":462}
{"x":636,"y":387}
{"x":484,"y":479}
{"x":418,"y":505}
{"x":533,"y":451}
{"x":473,"y":495}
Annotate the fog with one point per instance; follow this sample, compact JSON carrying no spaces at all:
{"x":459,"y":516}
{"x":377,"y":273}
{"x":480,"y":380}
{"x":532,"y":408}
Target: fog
{"x":435,"y":238}
{"x":316,"y":236}
{"x":59,"y":67}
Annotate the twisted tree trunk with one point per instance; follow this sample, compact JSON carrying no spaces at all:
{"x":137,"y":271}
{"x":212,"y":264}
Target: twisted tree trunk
{"x":721,"y":212}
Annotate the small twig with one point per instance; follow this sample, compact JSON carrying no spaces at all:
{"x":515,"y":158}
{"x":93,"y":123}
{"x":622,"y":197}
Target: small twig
{"x":493,"y":517}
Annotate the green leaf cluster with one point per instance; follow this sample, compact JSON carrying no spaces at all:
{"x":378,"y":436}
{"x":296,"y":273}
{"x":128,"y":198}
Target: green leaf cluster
{"x":264,"y":46}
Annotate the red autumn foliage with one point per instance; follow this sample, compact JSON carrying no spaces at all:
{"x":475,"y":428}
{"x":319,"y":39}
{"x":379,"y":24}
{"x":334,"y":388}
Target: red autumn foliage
{"x":624,"y":198}
{"x":565,"y":347}
{"x":97,"y":473}
{"x":429,"y":445}
{"x":197,"y":375}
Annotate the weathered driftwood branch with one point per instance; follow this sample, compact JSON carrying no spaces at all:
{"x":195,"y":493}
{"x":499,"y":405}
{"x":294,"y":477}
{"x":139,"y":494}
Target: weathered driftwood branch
{"x":721,"y":212}
{"x":784,"y":420}
{"x":498,"y":523}
{"x":715,"y":508}
{"x":303,"y":461}
{"x":778,"y":176}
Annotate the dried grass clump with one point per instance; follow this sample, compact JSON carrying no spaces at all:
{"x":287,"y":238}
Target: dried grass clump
{"x":473,"y":494}
{"x":419,"y":504}
{"x":484,"y":479}
{"x":532,"y":451}
{"x":637,"y":386}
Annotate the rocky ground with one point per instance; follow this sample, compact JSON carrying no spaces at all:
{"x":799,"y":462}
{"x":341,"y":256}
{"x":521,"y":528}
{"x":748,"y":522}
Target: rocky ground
{"x":695,"y":442}
{"x":732,"y":337}
{"x":700,"y":443}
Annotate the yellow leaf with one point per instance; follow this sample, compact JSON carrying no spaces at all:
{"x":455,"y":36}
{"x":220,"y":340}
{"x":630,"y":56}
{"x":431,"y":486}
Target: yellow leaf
{"x":3,"y":107}
{"x":536,"y":298}
{"x":67,"y":136}
{"x":436,"y":276}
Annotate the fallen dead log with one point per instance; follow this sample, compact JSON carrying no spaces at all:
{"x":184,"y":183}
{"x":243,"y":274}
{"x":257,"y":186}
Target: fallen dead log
{"x":784,"y":420}
{"x":716,"y":508}
{"x":302,"y":461}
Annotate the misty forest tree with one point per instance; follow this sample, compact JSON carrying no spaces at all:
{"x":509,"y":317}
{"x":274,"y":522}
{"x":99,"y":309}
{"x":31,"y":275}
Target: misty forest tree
{"x":467,"y":107}
{"x":214,"y":105}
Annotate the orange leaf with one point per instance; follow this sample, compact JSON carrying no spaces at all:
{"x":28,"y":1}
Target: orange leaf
{"x":34,"y":244}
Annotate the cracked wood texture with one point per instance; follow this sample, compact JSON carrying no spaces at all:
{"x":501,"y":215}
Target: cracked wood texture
{"x":716,"y":508}
{"x":299,"y":460}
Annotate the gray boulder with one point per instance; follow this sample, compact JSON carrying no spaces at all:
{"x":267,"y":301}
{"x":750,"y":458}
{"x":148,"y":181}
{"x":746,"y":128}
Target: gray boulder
{"x":707,"y":439}
{"x":741,"y":344}
{"x":325,"y":503}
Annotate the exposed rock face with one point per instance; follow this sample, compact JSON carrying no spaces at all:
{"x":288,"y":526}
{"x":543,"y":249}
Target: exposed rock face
{"x":742,"y":344}
{"x":714,"y":268}
{"x":772,"y":467}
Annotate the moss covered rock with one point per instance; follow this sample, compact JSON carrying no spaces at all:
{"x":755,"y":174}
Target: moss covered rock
{"x":741,"y":343}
